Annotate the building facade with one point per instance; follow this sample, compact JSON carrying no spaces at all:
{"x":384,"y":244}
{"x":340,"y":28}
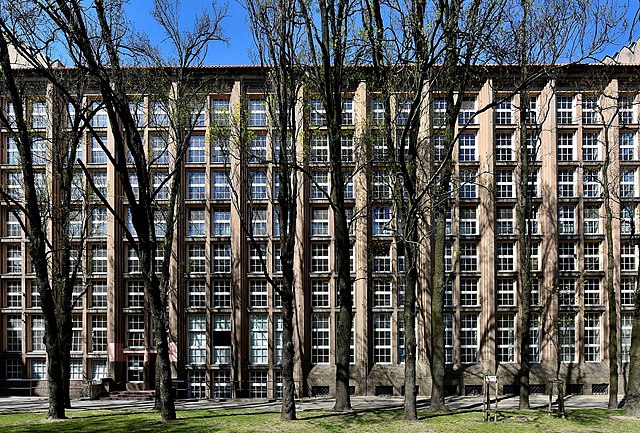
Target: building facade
{"x":226,"y":323}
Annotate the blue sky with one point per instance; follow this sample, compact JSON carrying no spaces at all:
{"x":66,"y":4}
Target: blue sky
{"x":237,"y":50}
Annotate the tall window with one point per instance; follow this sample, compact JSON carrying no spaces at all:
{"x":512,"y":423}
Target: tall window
{"x":627,"y":146}
{"x":566,"y":183}
{"x":504,"y":146}
{"x":319,"y":185}
{"x":220,"y":112}
{"x":469,"y":292}
{"x":566,"y":146}
{"x":377,"y":111}
{"x":382,"y":293}
{"x":221,"y":258}
{"x":381,"y":224}
{"x":196,"y":258}
{"x":258,"y":149}
{"x":347,"y":111}
{"x":320,"y":222}
{"x":159,"y":149}
{"x":257,"y":112}
{"x":258,"y":339}
{"x":221,"y":293}
{"x":319,"y":257}
{"x":197,"y":336}
{"x":506,"y":293}
{"x":590,"y":146}
{"x":590,"y":111}
{"x":534,"y":338}
{"x":567,"y":337}
{"x":259,"y":222}
{"x":564,"y":109}
{"x":318,"y":115}
{"x":320,"y":294}
{"x":195,"y":152}
{"x":221,"y":220}
{"x":592,"y":291}
{"x":468,"y":221}
{"x":382,"y":338}
{"x":626,"y":321}
{"x":13,"y":259}
{"x":99,"y":333}
{"x":258,"y":294}
{"x":469,"y":338}
{"x":627,"y":183}
{"x":258,"y":181}
{"x":591,"y":183}
{"x":98,"y":155}
{"x":135,"y":331}
{"x":627,"y":291}
{"x":592,"y":255}
{"x":506,"y":338}
{"x":567,"y":256}
{"x":221,"y":338}
{"x":504,"y":112}
{"x":197,"y":186}
{"x":468,"y":257}
{"x":567,"y":291}
{"x":448,"y":338}
{"x":467,"y":147}
{"x":628,"y":257}
{"x":504,"y":221}
{"x":505,"y":256}
{"x":196,"y":222}
{"x":567,"y":219}
{"x":37,"y":333}
{"x":98,"y":259}
{"x":626,"y":110}
{"x":467,"y":111}
{"x":135,"y":294}
{"x":221,"y":189}
{"x":505,"y":186}
{"x":468,"y":186}
{"x":439,"y":111}
{"x":320,"y":338}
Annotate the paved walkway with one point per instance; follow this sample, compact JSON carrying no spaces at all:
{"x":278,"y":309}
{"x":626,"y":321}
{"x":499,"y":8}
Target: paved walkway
{"x":37,"y":404}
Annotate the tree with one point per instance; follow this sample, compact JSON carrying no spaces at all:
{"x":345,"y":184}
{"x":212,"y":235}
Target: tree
{"x":328,"y":25}
{"x":276,"y":34}
{"x":99,"y":47}
{"x":44,"y":214}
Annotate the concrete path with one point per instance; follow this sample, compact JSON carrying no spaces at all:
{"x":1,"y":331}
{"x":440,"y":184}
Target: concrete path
{"x":38,"y":404}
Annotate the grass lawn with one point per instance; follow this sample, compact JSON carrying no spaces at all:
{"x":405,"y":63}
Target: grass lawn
{"x":579,"y":420}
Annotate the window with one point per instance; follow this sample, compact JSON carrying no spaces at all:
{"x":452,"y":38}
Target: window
{"x":377,"y":111}
{"x":347,"y":111}
{"x":627,"y":291}
{"x":135,"y":331}
{"x":566,"y":183}
{"x":159,"y":149}
{"x":403,"y":109}
{"x":506,"y":338}
{"x":98,"y":259}
{"x":505,"y":186}
{"x":99,"y":294}
{"x":98,"y":155}
{"x":467,"y":111}
{"x":221,"y":189}
{"x":592,"y":291}
{"x":259,"y":222}
{"x":438,"y":148}
{"x":564,"y":109}
{"x":221,"y":220}
{"x":628,"y":257}
{"x":627,"y":183}
{"x":505,"y":257}
{"x":590,"y":110}
{"x":567,"y":255}
{"x":133,"y":262}
{"x":160,"y":227}
{"x":625,"y":110}
{"x":346,"y":148}
{"x":258,"y":149}
{"x":319,"y":184}
{"x":592,"y":256}
{"x":320,"y":222}
{"x":37,"y":333}
{"x":220,"y":384}
{"x":135,"y":294}
{"x":98,"y":222}
{"x":14,"y":333}
{"x":135,"y":107}
{"x":256,"y":256}
{"x":590,"y":146}
{"x":468,"y":257}
{"x":468,"y":221}
{"x":39,"y":150}
{"x":381,"y":224}
{"x":467,"y":148}
{"x":195,"y":151}
{"x":504,"y":146}
{"x":319,"y":148}
{"x":401,"y":340}
{"x":469,"y":338}
{"x":381,"y":261}
{"x":504,"y":221}
{"x":317,"y":115}
{"x":197,"y":185}
{"x":258,"y":181}
{"x":381,"y":185}
{"x":626,"y":321}
{"x":320,"y":294}
{"x":196,"y":384}
{"x":196,"y":222}
{"x":533,"y":184}
{"x":567,"y":291}
{"x":566,"y":146}
{"x":220,"y":149}
{"x":196,"y":260}
{"x":12,"y":225}
{"x":258,"y":297}
{"x":258,"y":339}
{"x":159,"y":115}
{"x":468,"y":187}
{"x":38,"y":369}
{"x":504,"y":112}
{"x":382,"y":338}
{"x":627,"y":219}
{"x":534,"y":338}
{"x":12,"y":156}
{"x":258,"y":382}
{"x":448,"y":338}
{"x":161,"y":186}
{"x":220,"y":112}
{"x":320,"y":337}
{"x":506,"y":291}
{"x":221,"y":258}
{"x":197,"y":114}
{"x":591,"y":183}
{"x":535,"y":256}
{"x":14,"y":369}
{"x":14,"y":259}
{"x":382,"y":293}
{"x":197,"y":336}
{"x":35,"y":297}
{"x":221,"y":338}
{"x":567,"y":219}
{"x":100,"y":118}
{"x":439,"y":111}
{"x":99,"y":333}
{"x":221,"y":294}
{"x":319,"y":257}
{"x":567,"y":337}
{"x":468,"y":292}
{"x":14,"y":294}
{"x":627,"y":146}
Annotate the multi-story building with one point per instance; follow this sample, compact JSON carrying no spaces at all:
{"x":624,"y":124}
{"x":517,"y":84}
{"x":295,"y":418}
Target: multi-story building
{"x":226,"y":323}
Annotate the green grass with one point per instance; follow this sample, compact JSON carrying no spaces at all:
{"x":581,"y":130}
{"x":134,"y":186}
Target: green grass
{"x":579,"y":420}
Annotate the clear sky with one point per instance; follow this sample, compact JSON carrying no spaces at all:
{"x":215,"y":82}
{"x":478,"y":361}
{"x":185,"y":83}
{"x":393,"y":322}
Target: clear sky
{"x":235,"y":52}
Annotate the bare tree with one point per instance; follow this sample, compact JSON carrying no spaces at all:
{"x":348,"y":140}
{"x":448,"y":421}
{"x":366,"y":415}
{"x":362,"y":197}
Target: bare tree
{"x":276,"y":30}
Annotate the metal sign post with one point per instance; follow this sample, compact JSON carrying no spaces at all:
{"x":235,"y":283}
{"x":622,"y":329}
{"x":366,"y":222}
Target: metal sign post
{"x":486,"y":398}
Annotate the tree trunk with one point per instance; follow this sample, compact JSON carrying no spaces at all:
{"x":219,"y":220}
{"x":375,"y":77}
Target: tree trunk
{"x":437,"y":321}
{"x":632,"y":405}
{"x":55,"y":378}
{"x":410,"y":408}
{"x":288,"y":384}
